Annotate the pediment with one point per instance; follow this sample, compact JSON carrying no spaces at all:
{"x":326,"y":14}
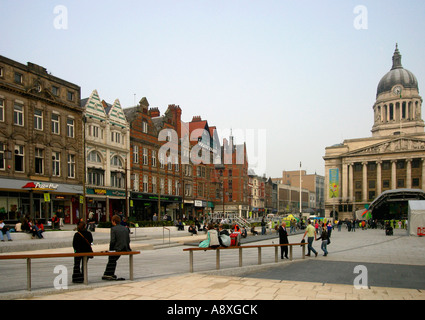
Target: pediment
{"x":390,"y":146}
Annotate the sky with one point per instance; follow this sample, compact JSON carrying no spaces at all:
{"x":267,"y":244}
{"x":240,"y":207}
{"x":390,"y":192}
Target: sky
{"x":289,"y":78}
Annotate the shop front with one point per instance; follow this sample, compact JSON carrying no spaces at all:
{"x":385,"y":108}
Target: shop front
{"x":143,"y":206}
{"x":39,"y":200}
{"x":104,"y":203}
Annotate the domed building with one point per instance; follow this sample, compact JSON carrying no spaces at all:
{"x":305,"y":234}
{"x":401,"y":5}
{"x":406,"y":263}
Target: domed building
{"x":358,"y":171}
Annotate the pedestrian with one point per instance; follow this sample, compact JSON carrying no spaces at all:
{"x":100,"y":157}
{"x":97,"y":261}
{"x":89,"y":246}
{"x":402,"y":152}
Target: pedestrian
{"x":283,"y":239}
{"x":4,"y":230}
{"x":311,"y":235}
{"x":155,"y":217}
{"x":263,"y":227}
{"x":81,"y":243}
{"x":325,"y":239}
{"x":329,"y":227}
{"x":120,"y":241}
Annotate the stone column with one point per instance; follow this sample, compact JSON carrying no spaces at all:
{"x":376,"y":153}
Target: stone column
{"x":350,"y":181}
{"x":364,"y":189}
{"x":408,"y":173}
{"x":344,"y":181}
{"x":378,"y":177}
{"x":393,"y":174}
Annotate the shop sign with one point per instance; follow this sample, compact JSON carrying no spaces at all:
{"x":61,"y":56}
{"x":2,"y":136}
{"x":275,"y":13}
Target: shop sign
{"x":40,"y":186}
{"x":200,"y":203}
{"x":105,"y":192}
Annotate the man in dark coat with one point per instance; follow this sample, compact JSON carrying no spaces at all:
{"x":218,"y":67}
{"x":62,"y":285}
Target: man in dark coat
{"x":283,"y":239}
{"x":120,"y":241}
{"x":81,"y":243}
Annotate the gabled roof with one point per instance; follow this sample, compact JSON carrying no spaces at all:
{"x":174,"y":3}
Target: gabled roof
{"x":93,"y":106}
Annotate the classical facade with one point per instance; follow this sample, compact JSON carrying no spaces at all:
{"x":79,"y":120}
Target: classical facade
{"x":359,"y":170}
{"x":107,"y":151}
{"x":41,"y":143}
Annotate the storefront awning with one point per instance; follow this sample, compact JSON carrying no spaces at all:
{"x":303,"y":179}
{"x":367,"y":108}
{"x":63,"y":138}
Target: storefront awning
{"x":39,"y":186}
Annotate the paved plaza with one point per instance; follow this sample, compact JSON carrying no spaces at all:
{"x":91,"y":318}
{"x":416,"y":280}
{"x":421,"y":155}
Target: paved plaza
{"x":361,"y":265}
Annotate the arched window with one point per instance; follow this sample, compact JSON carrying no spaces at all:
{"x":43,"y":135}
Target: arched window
{"x":116,"y":161}
{"x":94,"y":156}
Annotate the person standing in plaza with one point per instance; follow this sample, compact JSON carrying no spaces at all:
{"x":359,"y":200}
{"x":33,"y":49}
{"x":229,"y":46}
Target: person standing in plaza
{"x":283,"y":239}
{"x":325,"y":237}
{"x":120,"y":242}
{"x":81,"y":243}
{"x":263,"y":227}
{"x":310,"y":232}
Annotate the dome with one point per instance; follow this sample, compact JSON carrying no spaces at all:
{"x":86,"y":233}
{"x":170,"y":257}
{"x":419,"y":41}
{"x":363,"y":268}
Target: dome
{"x":397,"y":75}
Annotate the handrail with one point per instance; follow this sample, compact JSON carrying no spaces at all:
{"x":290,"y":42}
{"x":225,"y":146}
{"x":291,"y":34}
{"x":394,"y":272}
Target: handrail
{"x":85,"y":256}
{"x":276,"y":246}
{"x":163,"y":236}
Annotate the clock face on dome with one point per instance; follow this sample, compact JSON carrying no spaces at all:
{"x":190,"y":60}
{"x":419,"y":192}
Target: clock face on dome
{"x":397,"y":90}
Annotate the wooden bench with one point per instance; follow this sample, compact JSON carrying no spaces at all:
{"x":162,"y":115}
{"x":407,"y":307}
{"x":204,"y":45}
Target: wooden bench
{"x":240,"y":248}
{"x":28,"y":257}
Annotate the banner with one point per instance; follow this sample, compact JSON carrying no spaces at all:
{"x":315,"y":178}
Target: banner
{"x":334,"y":183}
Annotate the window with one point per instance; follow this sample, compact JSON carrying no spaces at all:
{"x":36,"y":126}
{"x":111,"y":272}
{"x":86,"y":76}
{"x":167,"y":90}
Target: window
{"x":154,"y":186}
{"x":2,"y":156}
{"x":136,"y":182}
{"x":400,"y":164}
{"x":95,"y":131}
{"x":18,"y":78}
{"x":386,"y":165}
{"x":145,"y":156}
{"x":1,"y":72}
{"x":371,"y":195}
{"x":55,"y":123}
{"x":56,"y":161}
{"x":145,"y":183}
{"x":71,"y":166}
{"x":153,"y":158}
{"x":1,"y":110}
{"x":95,"y":177}
{"x":161,"y":159}
{"x":94,"y":157}
{"x":39,"y":161}
{"x":55,"y":91}
{"x":162,"y":185}
{"x":400,"y":183}
{"x":144,"y":126}
{"x":386,"y":184}
{"x":177,"y":187}
{"x":170,"y":186}
{"x":415,"y":182}
{"x":116,"y":161}
{"x":18,"y":114}
{"x":135,"y":154}
{"x":116,"y":137}
{"x":70,"y":128}
{"x":117,"y":180}
{"x":371,"y":184}
{"x":70,"y":96}
{"x":19,"y":158}
{"x":38,"y":119}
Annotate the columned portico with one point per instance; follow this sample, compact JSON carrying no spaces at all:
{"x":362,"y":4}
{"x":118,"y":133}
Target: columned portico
{"x":392,"y":158}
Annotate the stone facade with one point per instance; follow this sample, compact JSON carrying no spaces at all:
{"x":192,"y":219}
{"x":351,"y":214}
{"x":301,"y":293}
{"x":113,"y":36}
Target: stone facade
{"x":359,"y":170}
{"x":41,"y":142}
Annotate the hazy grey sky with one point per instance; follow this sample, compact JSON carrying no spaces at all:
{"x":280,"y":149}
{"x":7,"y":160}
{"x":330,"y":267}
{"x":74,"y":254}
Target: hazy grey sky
{"x":304,"y":71}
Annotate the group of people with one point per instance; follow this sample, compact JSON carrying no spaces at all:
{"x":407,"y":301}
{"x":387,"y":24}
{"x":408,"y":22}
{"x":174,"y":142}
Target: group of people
{"x":82,"y":243}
